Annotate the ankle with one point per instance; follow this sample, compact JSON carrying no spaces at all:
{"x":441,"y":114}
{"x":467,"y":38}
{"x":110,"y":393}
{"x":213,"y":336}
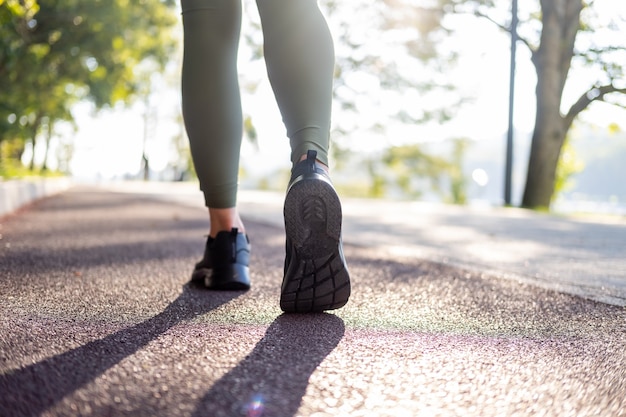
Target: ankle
{"x":319,"y":163}
{"x":224,"y":220}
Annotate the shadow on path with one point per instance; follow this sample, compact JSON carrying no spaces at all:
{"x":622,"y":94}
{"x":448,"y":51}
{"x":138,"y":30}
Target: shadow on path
{"x":273,"y":378}
{"x":33,"y":389}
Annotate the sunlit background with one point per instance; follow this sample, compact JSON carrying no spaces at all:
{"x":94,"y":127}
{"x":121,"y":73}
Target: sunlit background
{"x":115,"y":143}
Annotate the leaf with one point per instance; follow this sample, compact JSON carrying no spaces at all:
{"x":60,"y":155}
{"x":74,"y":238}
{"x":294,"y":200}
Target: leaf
{"x":614,"y":128}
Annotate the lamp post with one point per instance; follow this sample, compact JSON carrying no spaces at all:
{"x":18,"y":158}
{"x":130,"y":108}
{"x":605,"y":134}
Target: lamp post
{"x":509,"y":136}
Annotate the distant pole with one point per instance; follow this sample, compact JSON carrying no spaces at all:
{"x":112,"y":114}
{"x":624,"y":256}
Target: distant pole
{"x":509,"y":136}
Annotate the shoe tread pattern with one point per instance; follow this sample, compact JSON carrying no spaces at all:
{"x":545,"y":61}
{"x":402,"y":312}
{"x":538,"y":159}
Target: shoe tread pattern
{"x":316,"y":277}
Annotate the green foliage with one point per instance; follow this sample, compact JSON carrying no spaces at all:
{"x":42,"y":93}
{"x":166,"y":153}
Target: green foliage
{"x":410,"y":163}
{"x":569,"y":165}
{"x":390,"y":58}
{"x":458,"y":180}
{"x":56,"y":52}
{"x":614,"y":128}
{"x":378,"y":185}
{"x":250,"y":131}
{"x":11,"y":166}
{"x":415,"y":170}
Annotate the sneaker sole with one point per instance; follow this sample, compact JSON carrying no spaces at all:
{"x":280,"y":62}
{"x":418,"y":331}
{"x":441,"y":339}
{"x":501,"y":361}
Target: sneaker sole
{"x":233,"y":278}
{"x":317,"y":278}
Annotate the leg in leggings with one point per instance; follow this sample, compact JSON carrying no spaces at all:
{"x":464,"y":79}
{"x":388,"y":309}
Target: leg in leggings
{"x":300,"y":60}
{"x":211,"y":98}
{"x":300,"y":63}
{"x":213,"y":119}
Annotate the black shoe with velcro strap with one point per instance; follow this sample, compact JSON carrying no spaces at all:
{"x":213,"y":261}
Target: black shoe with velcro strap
{"x":224,"y":266}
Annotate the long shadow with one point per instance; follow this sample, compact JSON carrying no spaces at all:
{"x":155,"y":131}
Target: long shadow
{"x":40,"y":261}
{"x":273,"y":378}
{"x":32,"y":389}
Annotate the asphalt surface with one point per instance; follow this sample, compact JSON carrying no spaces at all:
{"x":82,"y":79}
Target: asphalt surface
{"x":581,"y":255}
{"x":96,"y":319}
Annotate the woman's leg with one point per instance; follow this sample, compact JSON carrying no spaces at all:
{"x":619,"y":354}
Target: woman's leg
{"x":213,"y":119}
{"x":300,"y":61}
{"x":212,"y":104}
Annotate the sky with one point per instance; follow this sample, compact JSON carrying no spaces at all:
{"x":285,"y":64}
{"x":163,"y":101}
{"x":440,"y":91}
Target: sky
{"x":109,"y":144}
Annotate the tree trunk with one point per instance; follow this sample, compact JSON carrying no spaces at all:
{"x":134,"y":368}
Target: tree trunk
{"x":552,"y":60}
{"x":547,"y":141}
{"x":34,"y":130}
{"x":146,"y":167}
{"x":44,"y":167}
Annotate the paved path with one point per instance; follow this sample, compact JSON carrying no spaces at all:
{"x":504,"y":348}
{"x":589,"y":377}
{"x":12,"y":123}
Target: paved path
{"x":581,"y":256}
{"x":96,"y":319}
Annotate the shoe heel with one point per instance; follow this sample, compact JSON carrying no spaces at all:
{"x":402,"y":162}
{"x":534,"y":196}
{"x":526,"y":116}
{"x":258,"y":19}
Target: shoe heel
{"x":313,"y":218}
{"x":316,"y":277}
{"x":233,"y":277}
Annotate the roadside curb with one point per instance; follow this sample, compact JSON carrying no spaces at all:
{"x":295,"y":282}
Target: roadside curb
{"x":17,"y":193}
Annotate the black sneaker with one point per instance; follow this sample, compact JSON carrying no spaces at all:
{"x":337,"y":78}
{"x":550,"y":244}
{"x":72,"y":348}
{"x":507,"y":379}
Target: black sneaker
{"x":316,"y":275}
{"x":224,"y":266}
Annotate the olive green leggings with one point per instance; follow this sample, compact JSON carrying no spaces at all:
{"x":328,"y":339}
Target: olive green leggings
{"x":299,"y":56}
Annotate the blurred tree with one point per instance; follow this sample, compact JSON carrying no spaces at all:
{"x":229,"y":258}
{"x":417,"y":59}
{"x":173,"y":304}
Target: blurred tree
{"x":377,"y":183}
{"x":404,"y":48}
{"x":569,"y":165}
{"x":55,"y":52}
{"x":458,"y":180}
{"x":388,"y":53}
{"x":183,"y":164}
{"x":392,"y":58}
{"x":411,"y":165}
{"x":561,"y":36}
{"x":561,"y":22}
